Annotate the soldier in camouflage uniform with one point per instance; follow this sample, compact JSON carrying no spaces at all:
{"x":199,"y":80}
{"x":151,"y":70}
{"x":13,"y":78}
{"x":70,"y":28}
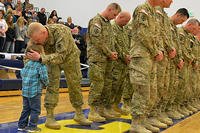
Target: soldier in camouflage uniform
{"x":120,"y":65}
{"x":144,"y":53}
{"x":189,"y":59}
{"x":61,"y":53}
{"x":176,"y":64}
{"x":101,"y":54}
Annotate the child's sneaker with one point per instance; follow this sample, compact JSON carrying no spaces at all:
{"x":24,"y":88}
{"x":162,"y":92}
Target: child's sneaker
{"x":33,"y":129}
{"x":20,"y":129}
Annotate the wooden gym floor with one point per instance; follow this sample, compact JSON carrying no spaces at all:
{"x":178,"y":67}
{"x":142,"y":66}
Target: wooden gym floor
{"x":11,"y":106}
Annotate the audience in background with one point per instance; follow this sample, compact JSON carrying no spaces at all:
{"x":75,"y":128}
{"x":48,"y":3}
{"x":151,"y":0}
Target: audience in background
{"x":69,"y":23}
{"x":3,"y":29}
{"x":42,"y":16}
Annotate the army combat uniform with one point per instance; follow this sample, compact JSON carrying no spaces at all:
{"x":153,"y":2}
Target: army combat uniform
{"x":100,"y":46}
{"x":61,"y":53}
{"x":142,"y":70}
{"x":120,"y":66}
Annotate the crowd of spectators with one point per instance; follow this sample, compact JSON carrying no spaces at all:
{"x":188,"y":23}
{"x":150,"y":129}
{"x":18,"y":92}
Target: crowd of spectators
{"x":15,"y":18}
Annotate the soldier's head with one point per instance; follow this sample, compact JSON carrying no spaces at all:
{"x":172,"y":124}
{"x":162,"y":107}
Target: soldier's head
{"x":192,"y":26}
{"x":37,"y":33}
{"x":123,"y":18}
{"x":166,"y":3}
{"x":111,"y":11}
{"x":180,"y":16}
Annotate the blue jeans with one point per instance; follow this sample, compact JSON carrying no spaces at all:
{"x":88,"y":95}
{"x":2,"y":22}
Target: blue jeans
{"x":32,"y":109}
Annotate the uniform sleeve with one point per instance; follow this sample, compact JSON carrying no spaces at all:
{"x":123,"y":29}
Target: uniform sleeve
{"x":144,"y":32}
{"x":97,"y":38}
{"x":63,"y":45}
{"x":44,"y":75}
{"x":185,"y":51}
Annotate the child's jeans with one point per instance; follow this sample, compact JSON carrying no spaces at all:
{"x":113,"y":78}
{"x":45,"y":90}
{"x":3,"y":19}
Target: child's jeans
{"x":32,"y":109}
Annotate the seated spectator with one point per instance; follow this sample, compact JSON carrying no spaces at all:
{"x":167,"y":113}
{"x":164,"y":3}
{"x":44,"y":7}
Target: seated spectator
{"x":54,"y":16}
{"x":81,"y":44}
{"x":69,"y":23}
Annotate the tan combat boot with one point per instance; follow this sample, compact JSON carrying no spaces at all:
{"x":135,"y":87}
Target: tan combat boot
{"x":138,"y":127}
{"x":114,"y":113}
{"x":105,"y":113}
{"x":80,"y":118}
{"x":191,"y":108}
{"x":182,"y":111}
{"x":156,"y":123}
{"x":148,"y":126}
{"x":163,"y":117}
{"x":94,"y":115}
{"x":50,"y":121}
{"x":174,"y":114}
{"x":188,"y":111}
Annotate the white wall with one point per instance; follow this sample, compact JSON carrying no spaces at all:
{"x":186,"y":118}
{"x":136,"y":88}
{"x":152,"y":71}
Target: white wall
{"x":82,"y":10}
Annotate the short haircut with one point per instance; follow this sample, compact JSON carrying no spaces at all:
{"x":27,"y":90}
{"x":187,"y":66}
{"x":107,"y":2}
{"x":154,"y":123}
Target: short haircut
{"x":115,"y":6}
{"x":193,"y":21}
{"x":183,"y":12}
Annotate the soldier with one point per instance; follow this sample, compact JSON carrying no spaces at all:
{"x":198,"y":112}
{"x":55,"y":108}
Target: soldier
{"x":185,"y":34}
{"x":61,"y":53}
{"x":176,"y":64}
{"x":101,"y":54}
{"x":144,"y":53}
{"x":120,"y":65}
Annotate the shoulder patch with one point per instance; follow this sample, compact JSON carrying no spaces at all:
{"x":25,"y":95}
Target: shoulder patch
{"x":95,"y":30}
{"x":143,"y":11}
{"x":96,"y":24}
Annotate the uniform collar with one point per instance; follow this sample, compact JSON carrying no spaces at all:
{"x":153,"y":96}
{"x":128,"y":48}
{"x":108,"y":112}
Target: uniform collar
{"x":103,"y":18}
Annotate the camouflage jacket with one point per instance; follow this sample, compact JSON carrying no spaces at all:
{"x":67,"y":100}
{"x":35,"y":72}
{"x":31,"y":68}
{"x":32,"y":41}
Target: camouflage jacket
{"x":121,"y":42}
{"x":144,"y":35}
{"x":185,"y":45}
{"x":100,"y":39}
{"x":59,"y":46}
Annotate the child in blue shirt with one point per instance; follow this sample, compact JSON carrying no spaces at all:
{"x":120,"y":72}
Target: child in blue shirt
{"x":34,"y":78}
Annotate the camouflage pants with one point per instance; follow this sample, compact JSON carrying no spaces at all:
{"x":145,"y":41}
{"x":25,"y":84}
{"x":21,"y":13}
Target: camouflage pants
{"x":183,"y":90}
{"x":100,"y":74}
{"x":73,"y":76}
{"x":173,"y":85}
{"x":140,"y":73}
{"x":194,"y":83}
{"x":119,"y":75}
{"x":128,"y":90}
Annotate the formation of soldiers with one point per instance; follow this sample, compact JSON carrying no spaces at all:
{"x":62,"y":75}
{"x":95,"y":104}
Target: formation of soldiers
{"x":148,"y":62}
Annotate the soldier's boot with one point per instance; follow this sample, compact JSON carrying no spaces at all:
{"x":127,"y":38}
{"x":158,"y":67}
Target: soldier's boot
{"x":191,"y":108}
{"x":156,"y":123}
{"x":125,"y":110}
{"x":114,"y":113}
{"x":116,"y":108}
{"x":138,"y":127}
{"x":174,"y":114}
{"x":105,"y":113}
{"x":163,"y":117}
{"x":94,"y":115}
{"x":80,"y":118}
{"x":148,"y":126}
{"x":50,"y":121}
{"x":196,"y":105}
{"x":183,"y":111}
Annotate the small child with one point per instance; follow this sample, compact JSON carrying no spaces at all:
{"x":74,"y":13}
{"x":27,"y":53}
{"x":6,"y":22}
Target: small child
{"x":34,"y":78}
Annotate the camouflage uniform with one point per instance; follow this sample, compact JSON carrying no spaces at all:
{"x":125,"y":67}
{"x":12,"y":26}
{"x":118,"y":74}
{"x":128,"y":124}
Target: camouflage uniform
{"x":174,"y":71}
{"x":184,"y":90}
{"x":143,"y":50}
{"x":120,"y":66}
{"x":165,"y":45}
{"x":100,"y":46}
{"x":61,"y":53}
